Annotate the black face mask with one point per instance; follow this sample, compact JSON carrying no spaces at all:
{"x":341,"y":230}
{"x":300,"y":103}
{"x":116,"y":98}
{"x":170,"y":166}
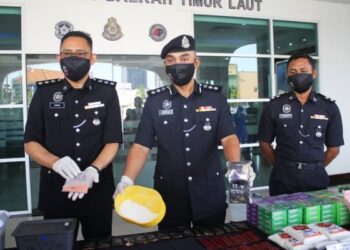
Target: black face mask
{"x":180,"y":74}
{"x":74,"y":67}
{"x":300,"y":82}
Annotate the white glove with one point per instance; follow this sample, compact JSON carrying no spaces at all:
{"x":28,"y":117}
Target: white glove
{"x":252,"y":176}
{"x":91,"y":175}
{"x":124,"y":182}
{"x":66,"y":167}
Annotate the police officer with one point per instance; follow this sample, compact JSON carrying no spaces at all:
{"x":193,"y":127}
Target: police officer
{"x":187,"y":120}
{"x":301,"y":122}
{"x":74,"y":127}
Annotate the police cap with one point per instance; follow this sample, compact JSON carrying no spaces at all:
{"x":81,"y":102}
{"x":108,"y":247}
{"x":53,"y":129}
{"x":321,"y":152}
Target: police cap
{"x":179,"y":44}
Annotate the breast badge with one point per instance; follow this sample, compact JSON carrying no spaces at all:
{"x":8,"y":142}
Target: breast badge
{"x":96,"y":121}
{"x":62,"y":28}
{"x":112,"y":30}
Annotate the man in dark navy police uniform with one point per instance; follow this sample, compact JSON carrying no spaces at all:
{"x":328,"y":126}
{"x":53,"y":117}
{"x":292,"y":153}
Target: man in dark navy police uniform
{"x":187,"y":120}
{"x":301,"y":122}
{"x":74,"y":128}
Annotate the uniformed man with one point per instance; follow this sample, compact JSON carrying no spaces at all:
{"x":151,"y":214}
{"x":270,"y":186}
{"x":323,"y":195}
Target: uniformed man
{"x":301,"y":122}
{"x":187,"y":120}
{"x":74,"y":125}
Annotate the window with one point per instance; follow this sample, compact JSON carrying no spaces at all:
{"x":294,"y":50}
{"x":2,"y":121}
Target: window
{"x":10,"y":30}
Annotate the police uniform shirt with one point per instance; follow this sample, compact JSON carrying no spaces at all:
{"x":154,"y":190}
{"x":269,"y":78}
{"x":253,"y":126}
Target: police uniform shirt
{"x":187,"y":132}
{"x":301,"y":131}
{"x":76,"y":123}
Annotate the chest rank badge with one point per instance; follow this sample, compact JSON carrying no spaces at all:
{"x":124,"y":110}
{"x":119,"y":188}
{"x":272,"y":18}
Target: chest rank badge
{"x":207,"y":126}
{"x":112,"y":30}
{"x":96,"y":121}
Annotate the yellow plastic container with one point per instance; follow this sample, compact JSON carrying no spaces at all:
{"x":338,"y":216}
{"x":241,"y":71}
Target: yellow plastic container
{"x":143,"y":196}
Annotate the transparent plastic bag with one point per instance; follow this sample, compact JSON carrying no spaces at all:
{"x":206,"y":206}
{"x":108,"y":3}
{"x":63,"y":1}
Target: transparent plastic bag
{"x":238,"y":174}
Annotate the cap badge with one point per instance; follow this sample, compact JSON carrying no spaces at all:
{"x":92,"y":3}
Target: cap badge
{"x":185,"y":43}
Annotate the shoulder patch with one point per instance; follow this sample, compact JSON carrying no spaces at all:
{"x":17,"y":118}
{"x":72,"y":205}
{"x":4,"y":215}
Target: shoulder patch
{"x":211,"y":87}
{"x":106,"y":82}
{"x":325,"y":97}
{"x":48,"y":82}
{"x":158,"y":90}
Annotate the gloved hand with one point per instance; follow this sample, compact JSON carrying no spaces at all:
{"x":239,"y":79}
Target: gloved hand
{"x":66,"y":167}
{"x":252,"y":176}
{"x":124,"y":182}
{"x":91,"y":175}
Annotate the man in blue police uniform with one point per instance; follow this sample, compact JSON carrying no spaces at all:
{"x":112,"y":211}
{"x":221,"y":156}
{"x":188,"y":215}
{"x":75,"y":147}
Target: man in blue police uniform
{"x":301,"y":122}
{"x":74,"y":127}
{"x":187,"y":120}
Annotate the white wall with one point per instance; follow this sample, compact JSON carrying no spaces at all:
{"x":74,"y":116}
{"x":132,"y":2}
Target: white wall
{"x":40,"y":17}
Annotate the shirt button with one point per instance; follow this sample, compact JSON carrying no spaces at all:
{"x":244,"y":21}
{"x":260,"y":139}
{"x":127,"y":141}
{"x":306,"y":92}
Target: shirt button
{"x":188,"y":163}
{"x":207,"y":119}
{"x":301,"y":110}
{"x":187,"y":149}
{"x":285,"y":125}
{"x":76,"y":101}
{"x":49,"y":172}
{"x":187,"y":134}
{"x":301,"y":125}
{"x":185,"y":106}
{"x":56,"y":114}
{"x":165,"y":122}
{"x":96,"y":112}
{"x":217,"y":173}
{"x":189,"y":178}
{"x":78,"y":159}
{"x":185,"y":120}
{"x":301,"y":142}
{"x":77,"y":130}
{"x":77,"y":144}
{"x":161,"y":177}
{"x":76,"y":115}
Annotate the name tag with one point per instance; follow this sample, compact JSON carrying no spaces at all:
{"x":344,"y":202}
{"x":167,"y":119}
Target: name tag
{"x":57,"y":105}
{"x":285,"y":116}
{"x":319,"y":117}
{"x":166,"y":112}
{"x":205,"y":109}
{"x":93,"y":105}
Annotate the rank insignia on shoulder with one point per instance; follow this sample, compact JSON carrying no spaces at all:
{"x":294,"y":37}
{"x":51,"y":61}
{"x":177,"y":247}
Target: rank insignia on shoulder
{"x":210,"y":87}
{"x":107,"y":82}
{"x":48,"y":82}
{"x":157,"y":91}
{"x":326,"y":97}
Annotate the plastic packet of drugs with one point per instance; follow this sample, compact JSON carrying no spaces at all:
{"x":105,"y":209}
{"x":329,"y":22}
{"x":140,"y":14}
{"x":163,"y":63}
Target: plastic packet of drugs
{"x":77,"y":184}
{"x":238,"y":179}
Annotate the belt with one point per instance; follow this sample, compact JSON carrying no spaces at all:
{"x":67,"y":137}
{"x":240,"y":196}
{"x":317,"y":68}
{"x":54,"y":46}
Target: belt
{"x":302,"y":165}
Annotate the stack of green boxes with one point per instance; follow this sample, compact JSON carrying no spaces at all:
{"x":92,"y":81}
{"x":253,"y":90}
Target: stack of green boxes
{"x":275,"y":213}
{"x":272,"y":218}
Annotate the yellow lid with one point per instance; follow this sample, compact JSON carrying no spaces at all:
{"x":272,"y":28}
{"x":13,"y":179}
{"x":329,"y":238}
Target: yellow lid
{"x":140,"y":205}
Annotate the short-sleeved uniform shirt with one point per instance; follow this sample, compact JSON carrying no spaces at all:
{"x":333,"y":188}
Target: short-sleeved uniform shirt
{"x":301,"y":131}
{"x":187,"y":132}
{"x":77,"y":123}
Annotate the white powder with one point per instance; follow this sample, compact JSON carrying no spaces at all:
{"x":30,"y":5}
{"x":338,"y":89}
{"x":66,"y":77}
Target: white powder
{"x":135,"y":212}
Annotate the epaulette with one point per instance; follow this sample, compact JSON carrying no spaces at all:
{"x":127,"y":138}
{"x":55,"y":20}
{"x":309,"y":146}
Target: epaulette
{"x":107,"y":82}
{"x":325,"y":97}
{"x":211,"y":87}
{"x":48,"y":82}
{"x":158,"y":90}
{"x":278,"y":96}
